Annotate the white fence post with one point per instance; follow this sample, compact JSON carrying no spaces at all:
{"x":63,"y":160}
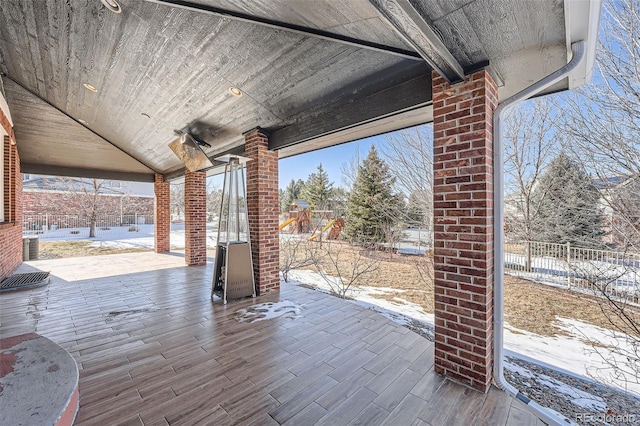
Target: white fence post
{"x":569,"y":266}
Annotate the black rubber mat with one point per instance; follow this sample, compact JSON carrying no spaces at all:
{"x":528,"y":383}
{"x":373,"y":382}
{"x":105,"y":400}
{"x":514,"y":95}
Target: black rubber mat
{"x":24,"y":281}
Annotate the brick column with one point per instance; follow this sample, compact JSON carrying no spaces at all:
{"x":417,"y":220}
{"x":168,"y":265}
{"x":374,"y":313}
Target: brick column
{"x":262,"y":206}
{"x":463,"y":214}
{"x":162,"y":212}
{"x":195,"y":217}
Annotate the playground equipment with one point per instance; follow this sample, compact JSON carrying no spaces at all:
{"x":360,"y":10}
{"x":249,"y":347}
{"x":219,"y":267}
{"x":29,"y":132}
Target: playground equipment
{"x":322,"y":231}
{"x":233,"y":268}
{"x":300,"y":216}
{"x":334,"y":226}
{"x":336,"y":229}
{"x":300,"y":222}
{"x":286,"y":223}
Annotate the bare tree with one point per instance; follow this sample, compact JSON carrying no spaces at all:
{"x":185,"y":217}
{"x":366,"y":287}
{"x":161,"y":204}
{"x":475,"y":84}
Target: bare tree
{"x":84,"y":195}
{"x":617,"y":291}
{"x":529,"y":144}
{"x":343,"y":266}
{"x":296,"y":253}
{"x":409,"y":155}
{"x":603,"y":120}
{"x":214,"y":198}
{"x":177,"y":199}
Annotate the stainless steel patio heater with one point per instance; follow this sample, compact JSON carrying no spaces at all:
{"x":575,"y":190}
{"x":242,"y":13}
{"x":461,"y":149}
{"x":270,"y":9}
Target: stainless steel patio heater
{"x":233,"y":267}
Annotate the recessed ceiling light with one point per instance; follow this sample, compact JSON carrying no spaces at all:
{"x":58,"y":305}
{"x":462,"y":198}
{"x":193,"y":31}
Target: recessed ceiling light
{"x":235,"y":91}
{"x":112,"y":5}
{"x":90,"y":87}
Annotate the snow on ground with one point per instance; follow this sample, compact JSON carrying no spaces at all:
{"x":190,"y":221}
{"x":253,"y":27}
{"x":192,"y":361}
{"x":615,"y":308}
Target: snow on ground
{"x":570,"y":353}
{"x":265,"y":311}
{"x":624,"y":276}
{"x":366,"y":296}
{"x":576,"y":396}
{"x":573,"y":353}
{"x":126,"y":237}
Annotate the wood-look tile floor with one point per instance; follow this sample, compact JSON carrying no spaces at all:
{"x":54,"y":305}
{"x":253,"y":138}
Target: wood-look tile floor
{"x":153,"y":349}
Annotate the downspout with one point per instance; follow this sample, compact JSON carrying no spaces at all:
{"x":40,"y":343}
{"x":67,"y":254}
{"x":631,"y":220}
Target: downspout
{"x":578,"y":49}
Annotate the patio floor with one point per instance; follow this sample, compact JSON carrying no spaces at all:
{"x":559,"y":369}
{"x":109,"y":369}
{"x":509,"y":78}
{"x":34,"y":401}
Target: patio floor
{"x":152,"y":349}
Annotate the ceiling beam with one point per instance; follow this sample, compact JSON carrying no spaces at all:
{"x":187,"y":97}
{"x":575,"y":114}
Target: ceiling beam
{"x":45,"y":169}
{"x":407,"y":21}
{"x":298,"y":29}
{"x":399,"y":98}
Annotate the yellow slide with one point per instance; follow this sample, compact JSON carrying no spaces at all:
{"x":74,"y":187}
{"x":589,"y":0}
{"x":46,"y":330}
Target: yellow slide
{"x":286,"y":223}
{"x":327,"y":226}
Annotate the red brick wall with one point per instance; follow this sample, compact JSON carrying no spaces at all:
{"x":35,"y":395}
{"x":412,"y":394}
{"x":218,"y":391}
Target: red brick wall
{"x":195,"y":217}
{"x":11,"y":228}
{"x":463,"y":213}
{"x":262,"y":206}
{"x":162,"y":212}
{"x":72,"y":203}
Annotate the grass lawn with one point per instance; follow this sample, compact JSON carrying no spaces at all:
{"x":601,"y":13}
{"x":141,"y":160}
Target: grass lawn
{"x":528,"y":305}
{"x":62,"y":249}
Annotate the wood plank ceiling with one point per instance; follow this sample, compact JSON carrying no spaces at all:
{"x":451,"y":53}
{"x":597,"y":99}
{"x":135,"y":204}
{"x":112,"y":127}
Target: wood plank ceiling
{"x":312,"y":74}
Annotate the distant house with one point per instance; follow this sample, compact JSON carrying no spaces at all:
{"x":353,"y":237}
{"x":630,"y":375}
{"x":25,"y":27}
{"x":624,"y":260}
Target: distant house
{"x":73,"y":196}
{"x":620,"y":201}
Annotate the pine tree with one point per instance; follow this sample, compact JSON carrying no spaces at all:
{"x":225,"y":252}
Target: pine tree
{"x":317,"y":189}
{"x":290,"y":193}
{"x":569,"y":208}
{"x":372,"y":207}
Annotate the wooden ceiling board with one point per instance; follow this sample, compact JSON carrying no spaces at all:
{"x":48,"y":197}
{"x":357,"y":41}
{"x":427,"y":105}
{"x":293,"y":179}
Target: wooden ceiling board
{"x":158,"y":68}
{"x":353,"y":18}
{"x":531,"y":42}
{"x":47,"y":136}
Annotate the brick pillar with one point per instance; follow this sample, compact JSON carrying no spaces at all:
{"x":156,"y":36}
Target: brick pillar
{"x":463,"y":214}
{"x":195,"y":217}
{"x":262,"y":206}
{"x":162,"y":212}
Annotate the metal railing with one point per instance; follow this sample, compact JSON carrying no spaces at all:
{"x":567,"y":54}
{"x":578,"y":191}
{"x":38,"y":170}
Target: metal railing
{"x":600,"y":272}
{"x":78,"y":226}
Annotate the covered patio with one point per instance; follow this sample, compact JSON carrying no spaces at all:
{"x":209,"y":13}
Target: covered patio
{"x":101,"y":88}
{"x":153,"y":350}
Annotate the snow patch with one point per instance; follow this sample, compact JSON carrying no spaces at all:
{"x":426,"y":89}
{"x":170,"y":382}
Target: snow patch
{"x":269,"y":310}
{"x":570,"y":353}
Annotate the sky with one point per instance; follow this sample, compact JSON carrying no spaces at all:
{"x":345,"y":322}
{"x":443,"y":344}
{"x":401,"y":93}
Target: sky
{"x":332,"y":160}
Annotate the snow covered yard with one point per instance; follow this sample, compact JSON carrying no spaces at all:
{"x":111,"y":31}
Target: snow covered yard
{"x":555,"y":371}
{"x":124,"y":237}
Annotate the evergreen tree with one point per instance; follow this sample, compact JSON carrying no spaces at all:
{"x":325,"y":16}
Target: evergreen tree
{"x":372,"y":207}
{"x":290,"y":193}
{"x":569,"y":208}
{"x":338,"y":202}
{"x":317,"y":189}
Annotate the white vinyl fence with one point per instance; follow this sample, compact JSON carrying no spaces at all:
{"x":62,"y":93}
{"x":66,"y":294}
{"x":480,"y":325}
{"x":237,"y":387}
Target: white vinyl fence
{"x":616,"y":274}
{"x":78,"y":226}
